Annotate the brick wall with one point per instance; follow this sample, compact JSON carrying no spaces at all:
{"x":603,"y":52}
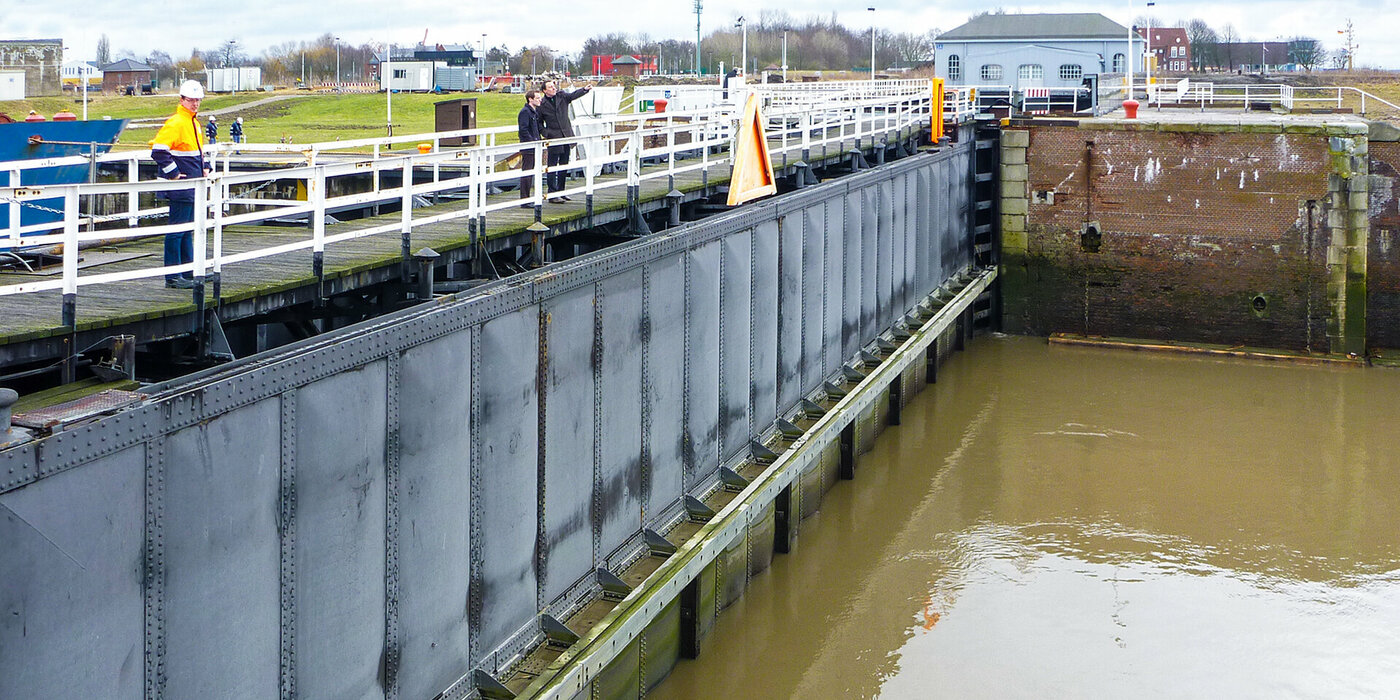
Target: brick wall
{"x":1199,"y":227}
{"x":1383,"y":251}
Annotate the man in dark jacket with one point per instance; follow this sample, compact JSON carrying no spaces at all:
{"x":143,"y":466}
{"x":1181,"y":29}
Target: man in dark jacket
{"x":554,"y":118}
{"x":528,"y":129}
{"x":211,"y":129}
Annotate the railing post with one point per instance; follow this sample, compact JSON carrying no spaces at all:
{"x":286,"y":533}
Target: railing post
{"x":595,"y":147}
{"x":133,"y":200}
{"x":221,"y":192}
{"x":70,"y":280}
{"x":201,"y":241}
{"x":15,"y":207}
{"x":406,"y":220}
{"x":317,"y":195}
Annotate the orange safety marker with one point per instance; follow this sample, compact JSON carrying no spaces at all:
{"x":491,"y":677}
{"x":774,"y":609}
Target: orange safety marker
{"x":753,"y":171}
{"x":935,"y":125}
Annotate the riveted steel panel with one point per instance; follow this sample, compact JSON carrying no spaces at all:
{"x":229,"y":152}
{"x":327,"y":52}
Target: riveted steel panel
{"x":763,"y":346}
{"x":568,"y":440}
{"x":791,"y":309}
{"x":853,"y":268}
{"x":340,"y":490}
{"x":735,"y":336}
{"x":222,"y":555}
{"x":665,"y":383}
{"x":702,"y":363}
{"x":834,"y":285}
{"x":902,"y":237}
{"x":620,"y":425}
{"x":882,"y":195}
{"x":870,"y":264}
{"x":71,"y":604}
{"x":435,"y":429}
{"x":509,"y":431}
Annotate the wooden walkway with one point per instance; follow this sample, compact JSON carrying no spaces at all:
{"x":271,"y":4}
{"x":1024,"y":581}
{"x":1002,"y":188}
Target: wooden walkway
{"x":31,"y":324}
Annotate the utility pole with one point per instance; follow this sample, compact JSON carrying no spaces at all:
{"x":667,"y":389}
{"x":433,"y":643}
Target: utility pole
{"x":1350,"y":34}
{"x":697,"y":38}
{"x":872,"y":44}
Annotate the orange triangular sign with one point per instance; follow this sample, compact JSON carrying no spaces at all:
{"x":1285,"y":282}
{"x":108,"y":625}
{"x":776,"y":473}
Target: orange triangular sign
{"x":752,"y":176}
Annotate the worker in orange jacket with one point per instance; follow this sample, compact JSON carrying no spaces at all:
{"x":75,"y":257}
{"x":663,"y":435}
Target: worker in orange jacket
{"x":178,"y":155}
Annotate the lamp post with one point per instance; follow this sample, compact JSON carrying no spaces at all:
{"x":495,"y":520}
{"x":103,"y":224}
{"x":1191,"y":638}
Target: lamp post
{"x":1128,"y":55}
{"x":237,"y":72}
{"x":1147,"y":57}
{"x":481,"y":62}
{"x":337,"y":60}
{"x":785,"y":55}
{"x":872,"y":44}
{"x":387,"y":74}
{"x":744,"y":52}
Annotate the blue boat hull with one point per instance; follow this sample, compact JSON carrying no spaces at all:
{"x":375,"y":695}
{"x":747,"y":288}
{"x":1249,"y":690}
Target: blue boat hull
{"x":73,"y":139}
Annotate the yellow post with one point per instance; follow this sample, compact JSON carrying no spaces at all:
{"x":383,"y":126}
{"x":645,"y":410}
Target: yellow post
{"x":936,"y":119}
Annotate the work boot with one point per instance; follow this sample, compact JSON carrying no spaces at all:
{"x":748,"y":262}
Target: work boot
{"x":180,"y":283}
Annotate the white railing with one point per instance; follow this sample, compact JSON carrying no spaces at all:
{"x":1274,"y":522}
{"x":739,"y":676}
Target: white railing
{"x":646,"y":147}
{"x":1204,"y":94}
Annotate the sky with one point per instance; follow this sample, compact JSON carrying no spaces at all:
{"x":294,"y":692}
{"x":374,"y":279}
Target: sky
{"x":564,"y":24}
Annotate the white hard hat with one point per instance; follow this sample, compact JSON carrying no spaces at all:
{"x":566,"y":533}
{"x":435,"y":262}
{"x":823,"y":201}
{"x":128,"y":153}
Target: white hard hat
{"x":192,"y":89}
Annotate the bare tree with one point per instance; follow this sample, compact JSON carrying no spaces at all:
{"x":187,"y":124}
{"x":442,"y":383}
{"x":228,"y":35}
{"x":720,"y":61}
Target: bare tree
{"x":1203,"y":42}
{"x":1229,"y":37}
{"x":104,"y":51}
{"x":1306,"y":52}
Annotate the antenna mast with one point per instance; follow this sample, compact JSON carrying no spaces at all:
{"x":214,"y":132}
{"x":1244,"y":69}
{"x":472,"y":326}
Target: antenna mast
{"x":697,"y":38}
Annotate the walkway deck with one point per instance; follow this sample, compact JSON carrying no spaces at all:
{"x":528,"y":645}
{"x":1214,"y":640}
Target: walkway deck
{"x":31,"y":324}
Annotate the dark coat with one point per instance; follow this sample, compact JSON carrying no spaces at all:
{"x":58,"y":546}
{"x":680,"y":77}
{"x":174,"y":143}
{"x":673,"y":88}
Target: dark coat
{"x":528,"y":124}
{"x":554,"y":113}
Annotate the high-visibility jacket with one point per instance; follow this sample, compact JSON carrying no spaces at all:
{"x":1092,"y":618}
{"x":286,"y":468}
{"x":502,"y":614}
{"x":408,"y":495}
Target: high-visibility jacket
{"x":176,"y":150}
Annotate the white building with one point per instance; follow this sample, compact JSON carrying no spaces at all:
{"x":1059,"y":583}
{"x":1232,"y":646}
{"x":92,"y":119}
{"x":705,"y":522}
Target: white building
{"x":409,"y":76}
{"x":72,"y":73}
{"x":234,"y":79}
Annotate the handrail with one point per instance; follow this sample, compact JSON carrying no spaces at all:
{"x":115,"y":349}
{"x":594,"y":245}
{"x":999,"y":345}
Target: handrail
{"x":682,"y":141}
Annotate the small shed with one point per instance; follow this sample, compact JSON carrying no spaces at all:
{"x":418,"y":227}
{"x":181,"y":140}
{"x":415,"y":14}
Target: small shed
{"x":116,"y":77}
{"x":11,"y":85}
{"x":626,"y":65}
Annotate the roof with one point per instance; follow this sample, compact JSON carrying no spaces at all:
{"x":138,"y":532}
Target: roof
{"x":126,"y":65}
{"x":1166,"y":36}
{"x":625,"y":61}
{"x":1080,"y":25}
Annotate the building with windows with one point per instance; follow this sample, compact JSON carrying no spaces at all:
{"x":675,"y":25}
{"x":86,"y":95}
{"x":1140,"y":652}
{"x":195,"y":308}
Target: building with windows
{"x":1170,"y":49}
{"x":1035,"y":50}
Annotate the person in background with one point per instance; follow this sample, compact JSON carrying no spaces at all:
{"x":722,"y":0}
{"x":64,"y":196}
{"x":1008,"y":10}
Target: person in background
{"x":235,"y":130}
{"x":528,"y":129}
{"x":178,"y":156}
{"x":554,"y":118}
{"x":211,"y":129}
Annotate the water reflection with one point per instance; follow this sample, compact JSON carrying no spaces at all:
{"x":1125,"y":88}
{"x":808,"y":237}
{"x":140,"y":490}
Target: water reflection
{"x":1079,"y":523}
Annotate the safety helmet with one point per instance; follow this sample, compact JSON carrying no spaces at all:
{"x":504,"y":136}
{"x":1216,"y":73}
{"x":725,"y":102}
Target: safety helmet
{"x":192,"y":89}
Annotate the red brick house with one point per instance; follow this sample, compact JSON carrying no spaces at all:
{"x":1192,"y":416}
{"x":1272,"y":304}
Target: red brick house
{"x":1170,"y":48}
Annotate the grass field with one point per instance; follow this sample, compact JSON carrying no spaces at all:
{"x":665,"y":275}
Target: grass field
{"x":301,"y":118}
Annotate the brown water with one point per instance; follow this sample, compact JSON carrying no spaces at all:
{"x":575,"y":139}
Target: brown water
{"x":1079,"y":523}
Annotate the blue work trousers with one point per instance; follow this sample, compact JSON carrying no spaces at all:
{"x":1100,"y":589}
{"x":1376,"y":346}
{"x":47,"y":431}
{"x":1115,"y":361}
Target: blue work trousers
{"x":179,"y":247}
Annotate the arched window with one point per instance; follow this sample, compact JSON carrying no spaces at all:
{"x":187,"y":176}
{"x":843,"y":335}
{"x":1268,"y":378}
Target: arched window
{"x":1030,"y":71}
{"x":1070,"y":71}
{"x":991,"y":71}
{"x":1119,"y":63}
{"x":954,"y":67}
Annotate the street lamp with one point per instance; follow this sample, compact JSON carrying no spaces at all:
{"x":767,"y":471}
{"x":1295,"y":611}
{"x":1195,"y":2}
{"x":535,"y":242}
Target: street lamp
{"x":481,"y":62}
{"x":237,"y":72}
{"x":1147,"y":57}
{"x":785,"y":55}
{"x":744,"y":55}
{"x":872,"y":43}
{"x":337,"y":60}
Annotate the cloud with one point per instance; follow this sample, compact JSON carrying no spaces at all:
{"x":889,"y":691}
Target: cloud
{"x":563,"y":24}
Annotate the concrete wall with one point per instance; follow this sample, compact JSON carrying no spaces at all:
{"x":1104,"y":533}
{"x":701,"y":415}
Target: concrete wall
{"x":1215,"y":233}
{"x":41,"y":61}
{"x":378,"y":511}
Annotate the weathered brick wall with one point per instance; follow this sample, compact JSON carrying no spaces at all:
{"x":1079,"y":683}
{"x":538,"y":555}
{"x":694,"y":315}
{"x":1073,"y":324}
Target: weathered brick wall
{"x":1383,"y":251}
{"x":1200,"y":225}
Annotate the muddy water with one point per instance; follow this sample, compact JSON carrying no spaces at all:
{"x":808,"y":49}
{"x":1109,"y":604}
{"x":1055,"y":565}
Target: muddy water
{"x":1078,"y":523}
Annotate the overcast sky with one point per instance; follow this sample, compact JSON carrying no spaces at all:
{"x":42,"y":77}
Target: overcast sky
{"x":177,"y":27}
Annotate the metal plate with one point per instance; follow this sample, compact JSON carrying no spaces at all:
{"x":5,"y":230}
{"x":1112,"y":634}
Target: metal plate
{"x":568,"y":441}
{"x":790,"y":310}
{"x":665,"y":383}
{"x":222,"y":555}
{"x":340,"y":533}
{"x":71,"y":604}
{"x":509,"y":425}
{"x":620,"y":424}
{"x":735,"y":336}
{"x":763,"y":343}
{"x":702,"y":363}
{"x":435,"y":433}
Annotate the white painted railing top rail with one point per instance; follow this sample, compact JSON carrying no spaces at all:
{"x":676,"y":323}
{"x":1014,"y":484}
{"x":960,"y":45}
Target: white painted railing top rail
{"x":680,"y":141}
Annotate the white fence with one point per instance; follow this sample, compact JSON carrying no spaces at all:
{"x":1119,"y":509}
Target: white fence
{"x":680,"y":141}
